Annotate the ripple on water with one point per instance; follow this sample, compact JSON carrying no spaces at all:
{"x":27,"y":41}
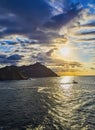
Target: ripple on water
{"x":48,"y":104}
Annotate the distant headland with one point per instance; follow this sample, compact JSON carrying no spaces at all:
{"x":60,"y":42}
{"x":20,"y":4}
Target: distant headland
{"x":36,"y":70}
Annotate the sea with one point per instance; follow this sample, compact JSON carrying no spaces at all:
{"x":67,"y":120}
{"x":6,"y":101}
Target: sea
{"x":48,"y":104}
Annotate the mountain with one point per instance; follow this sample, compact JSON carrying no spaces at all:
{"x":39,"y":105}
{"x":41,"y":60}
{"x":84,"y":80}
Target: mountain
{"x":25,"y":72}
{"x":11,"y":73}
{"x":37,"y":70}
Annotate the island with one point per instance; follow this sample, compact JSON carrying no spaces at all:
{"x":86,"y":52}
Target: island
{"x":36,"y":70}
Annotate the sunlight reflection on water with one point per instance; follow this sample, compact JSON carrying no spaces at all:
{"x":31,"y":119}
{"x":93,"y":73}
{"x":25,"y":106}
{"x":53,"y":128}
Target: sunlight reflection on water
{"x":48,"y":104}
{"x":66,"y":85}
{"x":66,"y":79}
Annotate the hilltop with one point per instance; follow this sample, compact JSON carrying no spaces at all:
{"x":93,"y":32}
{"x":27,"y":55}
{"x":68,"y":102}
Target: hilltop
{"x":36,"y":70}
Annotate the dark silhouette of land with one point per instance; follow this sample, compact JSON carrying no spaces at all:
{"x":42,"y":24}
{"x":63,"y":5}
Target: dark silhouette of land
{"x":36,"y":70}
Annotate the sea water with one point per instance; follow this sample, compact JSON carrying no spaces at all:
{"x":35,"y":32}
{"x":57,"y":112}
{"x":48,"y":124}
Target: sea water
{"x":48,"y":104}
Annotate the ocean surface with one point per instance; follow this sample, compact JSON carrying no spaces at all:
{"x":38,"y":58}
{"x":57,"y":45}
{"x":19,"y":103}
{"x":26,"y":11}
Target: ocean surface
{"x":48,"y":104}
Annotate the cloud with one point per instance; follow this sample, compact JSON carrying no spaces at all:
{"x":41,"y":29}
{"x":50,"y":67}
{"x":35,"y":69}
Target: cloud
{"x":62,"y":19}
{"x":92,"y":68}
{"x":33,"y":30}
{"x":60,"y":65}
{"x":27,"y":10}
{"x":80,"y":33}
{"x":10,"y":60}
{"x":23,"y":17}
{"x":2,"y":56}
{"x":15,"y":57}
{"x":49,"y":53}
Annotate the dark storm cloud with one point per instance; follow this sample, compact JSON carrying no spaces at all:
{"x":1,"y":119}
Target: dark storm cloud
{"x":13,"y":59}
{"x":32,"y":11}
{"x":62,"y":19}
{"x":24,"y":17}
{"x":86,"y":32}
{"x":9,"y":42}
{"x":2,"y":56}
{"x":17,"y":40}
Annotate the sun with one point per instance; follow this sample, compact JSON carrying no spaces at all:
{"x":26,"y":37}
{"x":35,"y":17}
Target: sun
{"x":65,"y":51}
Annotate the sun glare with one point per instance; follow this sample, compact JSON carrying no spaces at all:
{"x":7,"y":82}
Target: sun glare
{"x":65,"y":51}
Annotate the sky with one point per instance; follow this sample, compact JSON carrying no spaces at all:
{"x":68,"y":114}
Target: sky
{"x":57,"y":33}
